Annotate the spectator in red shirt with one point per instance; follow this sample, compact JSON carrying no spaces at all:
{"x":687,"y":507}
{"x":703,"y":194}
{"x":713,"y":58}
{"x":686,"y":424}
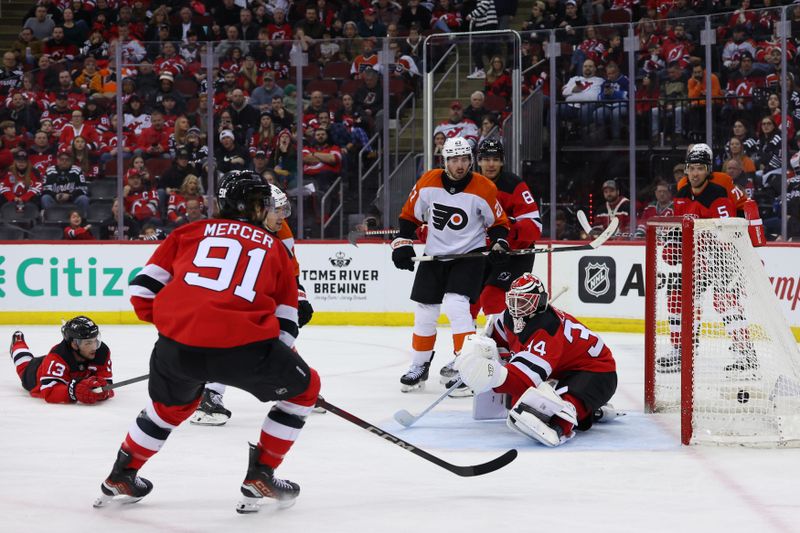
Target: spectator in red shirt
{"x":615,"y":205}
{"x":22,"y":184}
{"x":661,"y":207}
{"x":154,"y":141}
{"x":322,"y":162}
{"x":76,"y":230}
{"x":141,"y":202}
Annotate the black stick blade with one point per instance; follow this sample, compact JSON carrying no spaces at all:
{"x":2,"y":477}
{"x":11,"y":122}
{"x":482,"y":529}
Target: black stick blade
{"x":485,"y":468}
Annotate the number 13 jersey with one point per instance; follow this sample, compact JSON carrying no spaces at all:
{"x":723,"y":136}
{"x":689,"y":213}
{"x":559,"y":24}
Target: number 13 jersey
{"x":218,"y":284}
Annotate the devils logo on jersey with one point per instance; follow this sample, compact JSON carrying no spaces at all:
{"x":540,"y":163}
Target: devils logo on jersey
{"x":446,"y":215}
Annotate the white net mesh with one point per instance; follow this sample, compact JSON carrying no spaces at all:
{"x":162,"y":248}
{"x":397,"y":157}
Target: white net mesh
{"x":746,"y":371}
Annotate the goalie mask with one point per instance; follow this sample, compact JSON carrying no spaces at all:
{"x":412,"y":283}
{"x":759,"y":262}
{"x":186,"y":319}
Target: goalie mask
{"x":456,"y":147}
{"x":238,"y":194}
{"x":526,"y":297}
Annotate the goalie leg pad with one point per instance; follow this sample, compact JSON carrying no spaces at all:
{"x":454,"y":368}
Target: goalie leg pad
{"x":544,"y":399}
{"x":524,"y":419}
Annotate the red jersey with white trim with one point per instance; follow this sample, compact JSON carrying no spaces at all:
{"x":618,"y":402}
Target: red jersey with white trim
{"x":457,"y":221}
{"x":713,"y":201}
{"x":519,"y":204}
{"x":218,"y":284}
{"x":736,"y":195}
{"x":60,"y":366}
{"x":551,"y":343}
{"x":466,"y":129}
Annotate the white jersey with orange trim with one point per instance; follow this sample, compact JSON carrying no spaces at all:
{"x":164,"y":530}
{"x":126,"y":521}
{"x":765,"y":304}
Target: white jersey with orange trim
{"x":457,"y":221}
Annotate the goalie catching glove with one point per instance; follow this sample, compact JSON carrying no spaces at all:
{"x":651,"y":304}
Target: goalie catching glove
{"x":83,"y":390}
{"x":479,"y":364}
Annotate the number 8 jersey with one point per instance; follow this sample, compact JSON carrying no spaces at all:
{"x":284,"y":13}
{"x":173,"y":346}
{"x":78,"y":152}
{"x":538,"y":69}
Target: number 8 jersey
{"x":551,"y":344}
{"x":218,"y":284}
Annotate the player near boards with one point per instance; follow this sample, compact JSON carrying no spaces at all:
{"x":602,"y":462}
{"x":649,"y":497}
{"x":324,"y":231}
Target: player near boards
{"x":460,"y":208}
{"x":558,"y":373}
{"x":72,"y":371}
{"x":223,"y":296}
{"x":212,"y":411}
{"x":703,"y":194}
{"x":526,"y":227}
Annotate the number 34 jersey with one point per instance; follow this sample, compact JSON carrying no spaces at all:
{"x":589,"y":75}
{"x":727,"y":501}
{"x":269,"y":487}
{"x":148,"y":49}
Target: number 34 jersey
{"x":457,"y":218}
{"x":219,"y":284}
{"x":551,"y":344}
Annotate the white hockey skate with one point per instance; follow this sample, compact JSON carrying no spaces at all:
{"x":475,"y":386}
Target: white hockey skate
{"x":211,"y":411}
{"x":447,"y":372}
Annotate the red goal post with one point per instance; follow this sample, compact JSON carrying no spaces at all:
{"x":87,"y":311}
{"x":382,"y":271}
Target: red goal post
{"x":709,"y":305}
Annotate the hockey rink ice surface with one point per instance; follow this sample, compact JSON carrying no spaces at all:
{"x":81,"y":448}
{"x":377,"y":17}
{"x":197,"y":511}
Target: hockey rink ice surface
{"x":628,"y":475}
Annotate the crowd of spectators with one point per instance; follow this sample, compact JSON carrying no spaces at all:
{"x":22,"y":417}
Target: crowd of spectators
{"x":58,"y":125}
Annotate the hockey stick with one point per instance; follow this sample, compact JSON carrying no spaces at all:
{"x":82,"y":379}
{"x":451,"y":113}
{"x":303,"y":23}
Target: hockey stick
{"x":406,"y":419}
{"x":596,"y":243}
{"x":584,"y":223}
{"x":354,"y":235}
{"x":112,"y":386}
{"x":464,"y":471}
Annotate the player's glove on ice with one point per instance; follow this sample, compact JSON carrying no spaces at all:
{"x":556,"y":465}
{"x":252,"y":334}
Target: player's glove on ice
{"x":83,"y":390}
{"x":304,"y":309}
{"x":402,"y":253}
{"x":498,"y":252}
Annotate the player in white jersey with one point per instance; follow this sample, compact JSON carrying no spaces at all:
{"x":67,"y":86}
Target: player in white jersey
{"x":460,"y":208}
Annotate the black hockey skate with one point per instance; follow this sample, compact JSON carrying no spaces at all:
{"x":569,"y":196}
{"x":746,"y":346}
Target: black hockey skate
{"x":447,"y":372}
{"x":16,"y":337}
{"x":123,"y":485}
{"x":462,"y":391}
{"x":211,"y":411}
{"x":260,"y":482}
{"x":746,"y":360}
{"x":415,"y":377}
{"x":671,"y":363}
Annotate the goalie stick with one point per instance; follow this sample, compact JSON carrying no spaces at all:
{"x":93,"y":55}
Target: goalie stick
{"x":464,"y":471}
{"x":406,"y":419}
{"x":596,"y":243}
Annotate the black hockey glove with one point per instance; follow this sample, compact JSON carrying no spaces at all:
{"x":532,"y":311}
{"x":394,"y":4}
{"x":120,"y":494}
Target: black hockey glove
{"x":304,"y":309}
{"x":402,"y":253}
{"x":498,"y":252}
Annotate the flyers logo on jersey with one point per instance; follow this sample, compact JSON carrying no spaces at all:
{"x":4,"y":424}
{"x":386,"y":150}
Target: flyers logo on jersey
{"x":447,"y":215}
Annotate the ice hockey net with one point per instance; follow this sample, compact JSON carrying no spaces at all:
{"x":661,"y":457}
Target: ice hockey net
{"x":709,"y":301}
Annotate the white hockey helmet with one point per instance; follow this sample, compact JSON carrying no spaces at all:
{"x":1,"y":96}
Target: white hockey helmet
{"x":280,"y":201}
{"x":455,"y":147}
{"x":700,"y":153}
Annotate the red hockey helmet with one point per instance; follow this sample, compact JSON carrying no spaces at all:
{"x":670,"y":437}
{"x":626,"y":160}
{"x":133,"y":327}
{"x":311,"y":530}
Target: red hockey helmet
{"x":526,"y":296}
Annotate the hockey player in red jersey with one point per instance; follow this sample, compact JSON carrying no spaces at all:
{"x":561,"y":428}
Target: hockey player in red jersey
{"x":460,"y":208}
{"x":212,"y":411}
{"x":223,"y":296}
{"x":75,"y":370}
{"x":558,"y":372}
{"x":702,"y":197}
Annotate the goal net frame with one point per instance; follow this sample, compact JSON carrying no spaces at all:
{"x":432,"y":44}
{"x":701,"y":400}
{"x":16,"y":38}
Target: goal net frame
{"x":757,"y":410}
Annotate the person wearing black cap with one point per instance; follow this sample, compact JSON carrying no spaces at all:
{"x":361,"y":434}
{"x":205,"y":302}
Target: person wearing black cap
{"x":198,"y":152}
{"x":736,"y":45}
{"x":615,"y":205}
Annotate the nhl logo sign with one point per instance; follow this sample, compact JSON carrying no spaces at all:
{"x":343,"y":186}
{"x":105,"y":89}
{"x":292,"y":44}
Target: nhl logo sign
{"x":597,"y":279}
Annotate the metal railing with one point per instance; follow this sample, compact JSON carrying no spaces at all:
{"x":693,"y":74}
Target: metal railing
{"x":325,"y":218}
{"x":411,"y":100}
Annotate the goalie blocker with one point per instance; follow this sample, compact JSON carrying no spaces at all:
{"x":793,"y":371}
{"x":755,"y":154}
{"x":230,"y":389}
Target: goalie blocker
{"x":544,"y":344}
